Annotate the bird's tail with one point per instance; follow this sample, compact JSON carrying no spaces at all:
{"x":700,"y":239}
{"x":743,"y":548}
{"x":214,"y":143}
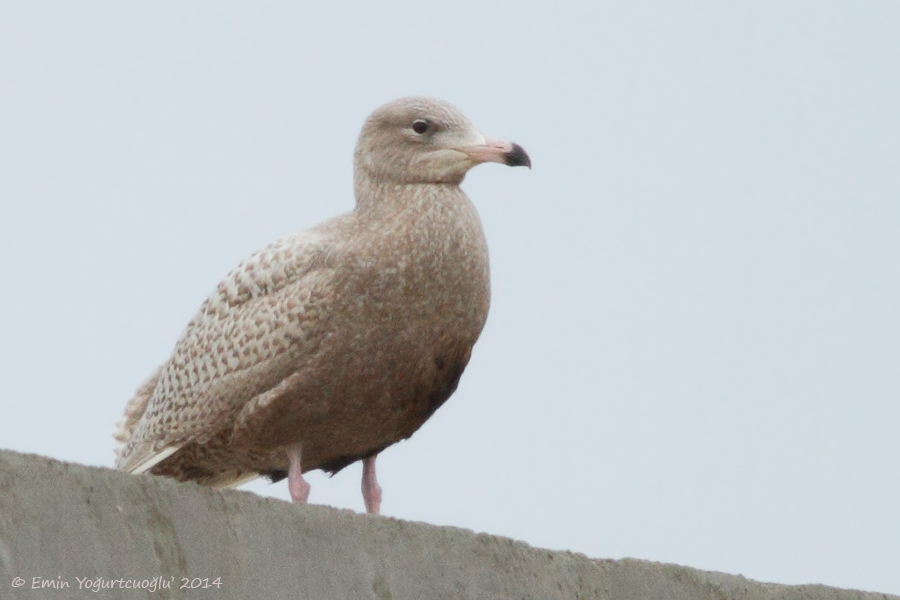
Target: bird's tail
{"x":134,"y":410}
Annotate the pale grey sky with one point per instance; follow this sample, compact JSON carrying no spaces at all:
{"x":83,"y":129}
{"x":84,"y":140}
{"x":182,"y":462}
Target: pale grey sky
{"x":693,"y":349}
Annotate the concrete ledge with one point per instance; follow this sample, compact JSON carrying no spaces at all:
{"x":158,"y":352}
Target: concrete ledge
{"x":63,"y":522}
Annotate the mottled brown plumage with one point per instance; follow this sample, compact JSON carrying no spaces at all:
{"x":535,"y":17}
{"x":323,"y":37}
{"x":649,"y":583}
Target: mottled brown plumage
{"x":338,"y":341}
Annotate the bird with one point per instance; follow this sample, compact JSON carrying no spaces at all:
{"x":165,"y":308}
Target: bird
{"x":331,"y":344}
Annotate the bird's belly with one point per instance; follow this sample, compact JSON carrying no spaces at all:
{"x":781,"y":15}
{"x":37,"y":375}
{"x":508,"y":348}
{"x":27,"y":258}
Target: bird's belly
{"x":354,"y":404}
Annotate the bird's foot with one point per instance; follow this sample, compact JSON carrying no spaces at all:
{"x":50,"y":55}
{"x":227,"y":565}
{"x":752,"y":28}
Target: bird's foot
{"x":297,"y":486}
{"x":370,"y":489}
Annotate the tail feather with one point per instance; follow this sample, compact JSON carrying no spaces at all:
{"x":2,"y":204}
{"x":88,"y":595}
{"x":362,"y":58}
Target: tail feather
{"x":134,"y":410}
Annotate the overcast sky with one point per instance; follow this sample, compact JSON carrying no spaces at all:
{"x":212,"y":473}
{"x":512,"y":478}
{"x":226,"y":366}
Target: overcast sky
{"x":693,"y":351}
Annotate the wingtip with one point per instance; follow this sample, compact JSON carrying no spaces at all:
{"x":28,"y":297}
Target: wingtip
{"x":136,"y":468}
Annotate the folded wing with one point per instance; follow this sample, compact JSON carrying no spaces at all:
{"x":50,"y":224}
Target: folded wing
{"x":245,"y":339}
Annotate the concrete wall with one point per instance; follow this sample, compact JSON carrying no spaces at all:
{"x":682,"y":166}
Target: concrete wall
{"x":62,"y":522}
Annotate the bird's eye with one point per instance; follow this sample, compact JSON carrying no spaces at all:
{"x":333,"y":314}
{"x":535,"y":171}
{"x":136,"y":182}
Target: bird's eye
{"x":420,"y":126}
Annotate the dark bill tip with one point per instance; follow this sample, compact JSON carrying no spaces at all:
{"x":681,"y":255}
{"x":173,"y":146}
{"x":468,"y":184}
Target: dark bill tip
{"x":517,"y":157}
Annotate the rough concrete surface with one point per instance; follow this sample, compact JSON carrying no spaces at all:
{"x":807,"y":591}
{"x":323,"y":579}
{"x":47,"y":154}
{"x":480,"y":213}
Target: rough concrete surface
{"x":62,"y":522}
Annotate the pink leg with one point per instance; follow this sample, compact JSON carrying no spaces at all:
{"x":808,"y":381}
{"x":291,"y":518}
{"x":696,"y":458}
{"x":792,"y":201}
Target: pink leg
{"x":370,"y":488}
{"x":296,"y":484}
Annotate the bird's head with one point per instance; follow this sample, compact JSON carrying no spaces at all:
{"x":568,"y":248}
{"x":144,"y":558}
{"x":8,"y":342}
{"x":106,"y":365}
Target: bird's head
{"x":423,"y":140}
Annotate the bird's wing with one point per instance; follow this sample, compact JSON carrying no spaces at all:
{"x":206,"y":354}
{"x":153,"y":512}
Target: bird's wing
{"x":245,"y":339}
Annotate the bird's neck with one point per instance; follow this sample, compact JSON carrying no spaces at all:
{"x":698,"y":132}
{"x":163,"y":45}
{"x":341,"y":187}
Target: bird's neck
{"x":380,"y":198}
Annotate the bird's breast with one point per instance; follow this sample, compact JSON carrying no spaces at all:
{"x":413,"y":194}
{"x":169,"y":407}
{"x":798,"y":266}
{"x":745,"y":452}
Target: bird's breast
{"x":428,"y":262}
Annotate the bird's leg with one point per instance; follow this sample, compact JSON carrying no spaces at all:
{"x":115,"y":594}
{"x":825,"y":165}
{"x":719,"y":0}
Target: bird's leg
{"x":370,"y":488}
{"x":297,"y":486}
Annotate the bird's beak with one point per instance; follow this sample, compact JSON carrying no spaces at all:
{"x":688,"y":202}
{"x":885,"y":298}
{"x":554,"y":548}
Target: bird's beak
{"x":499,"y":151}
